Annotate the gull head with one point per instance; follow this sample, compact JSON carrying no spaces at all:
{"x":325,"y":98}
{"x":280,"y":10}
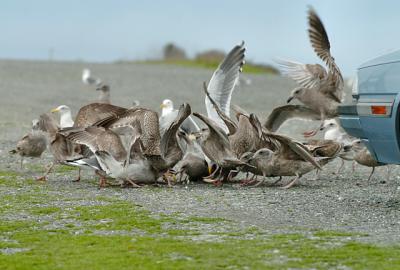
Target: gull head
{"x":263,"y":153}
{"x":35,"y":124}
{"x":296,"y":93}
{"x":329,"y":125}
{"x":103,"y":88}
{"x":167,"y":106}
{"x":357,"y":145}
{"x":62,"y":109}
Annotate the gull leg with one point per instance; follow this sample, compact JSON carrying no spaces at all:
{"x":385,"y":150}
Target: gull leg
{"x":231,"y":172}
{"x":291,"y":183}
{"x":277,"y":181}
{"x":44,"y":177}
{"x":102,"y":180}
{"x":79,"y":176}
{"x":353,"y":166}
{"x":317,"y":175}
{"x":341,"y":167}
{"x":261,"y":181}
{"x":388,"y":172}
{"x":372,"y":172}
{"x":22,"y":162}
{"x":248,"y":181}
{"x":133,"y":183}
{"x":210,"y":178}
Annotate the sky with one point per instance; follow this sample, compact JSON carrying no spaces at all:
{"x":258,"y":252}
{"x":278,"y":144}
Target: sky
{"x":102,"y":31}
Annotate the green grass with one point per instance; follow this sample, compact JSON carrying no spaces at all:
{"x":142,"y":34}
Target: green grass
{"x":247,"y":68}
{"x":115,"y":234}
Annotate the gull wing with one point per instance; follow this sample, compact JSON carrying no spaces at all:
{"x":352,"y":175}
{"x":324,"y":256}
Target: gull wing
{"x":306,"y":75}
{"x":232,"y":127}
{"x":171,"y":132}
{"x":289,"y":145}
{"x":320,"y":42}
{"x":281,"y":114}
{"x":222,"y":83}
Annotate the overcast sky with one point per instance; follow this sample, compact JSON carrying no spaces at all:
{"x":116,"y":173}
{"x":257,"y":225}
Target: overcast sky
{"x":109,"y":30}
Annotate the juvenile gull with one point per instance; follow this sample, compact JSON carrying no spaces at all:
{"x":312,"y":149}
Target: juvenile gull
{"x":88,"y":79}
{"x":98,"y":139}
{"x":320,"y":90}
{"x":363,"y":156}
{"x":216,"y":146}
{"x":32,"y":144}
{"x":193,"y":163}
{"x":61,"y":148}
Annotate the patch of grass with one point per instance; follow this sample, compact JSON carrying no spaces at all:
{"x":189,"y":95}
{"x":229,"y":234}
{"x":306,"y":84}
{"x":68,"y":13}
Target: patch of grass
{"x":45,"y":210}
{"x":64,"y":169}
{"x":334,"y":234}
{"x":121,"y":235}
{"x":247,"y":68}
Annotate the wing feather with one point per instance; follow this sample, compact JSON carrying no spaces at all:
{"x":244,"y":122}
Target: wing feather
{"x":222,"y":83}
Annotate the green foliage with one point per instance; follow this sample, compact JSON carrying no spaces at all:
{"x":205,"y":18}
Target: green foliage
{"x":41,"y":228}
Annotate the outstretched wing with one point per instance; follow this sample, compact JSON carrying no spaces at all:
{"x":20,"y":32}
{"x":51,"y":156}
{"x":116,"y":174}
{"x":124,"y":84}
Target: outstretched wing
{"x":306,"y":75}
{"x":223,"y":82}
{"x":283,"y":113}
{"x":231,"y":126}
{"x":320,"y":42}
{"x":94,"y":112}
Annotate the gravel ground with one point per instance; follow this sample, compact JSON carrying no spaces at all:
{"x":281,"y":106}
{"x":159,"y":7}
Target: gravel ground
{"x":345,"y":202}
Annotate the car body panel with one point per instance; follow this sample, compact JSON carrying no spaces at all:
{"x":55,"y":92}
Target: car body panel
{"x":378,"y":90}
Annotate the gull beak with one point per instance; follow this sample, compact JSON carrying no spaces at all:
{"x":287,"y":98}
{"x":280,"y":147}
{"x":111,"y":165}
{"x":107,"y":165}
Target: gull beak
{"x":55,"y":110}
{"x":289,"y":99}
{"x":162,"y":106}
{"x":209,"y":170}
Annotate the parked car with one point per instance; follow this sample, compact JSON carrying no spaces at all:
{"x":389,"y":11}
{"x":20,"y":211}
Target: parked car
{"x":374,"y":113}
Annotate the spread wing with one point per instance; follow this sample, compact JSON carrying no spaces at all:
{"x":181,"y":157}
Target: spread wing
{"x":320,"y":42}
{"x":222,"y":83}
{"x":306,"y":75}
{"x":94,"y":112}
{"x":283,"y":113}
{"x":228,"y":122}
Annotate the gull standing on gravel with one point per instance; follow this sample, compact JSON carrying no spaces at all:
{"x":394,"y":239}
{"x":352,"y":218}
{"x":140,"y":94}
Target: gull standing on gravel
{"x":333,"y":132}
{"x":320,"y":90}
{"x":88,"y":79}
{"x":363,"y":156}
{"x":32,"y":144}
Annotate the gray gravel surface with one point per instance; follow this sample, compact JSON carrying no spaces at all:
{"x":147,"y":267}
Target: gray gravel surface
{"x":345,"y":202}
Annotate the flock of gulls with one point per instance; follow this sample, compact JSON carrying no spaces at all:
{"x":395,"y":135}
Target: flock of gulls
{"x":135,"y":146}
